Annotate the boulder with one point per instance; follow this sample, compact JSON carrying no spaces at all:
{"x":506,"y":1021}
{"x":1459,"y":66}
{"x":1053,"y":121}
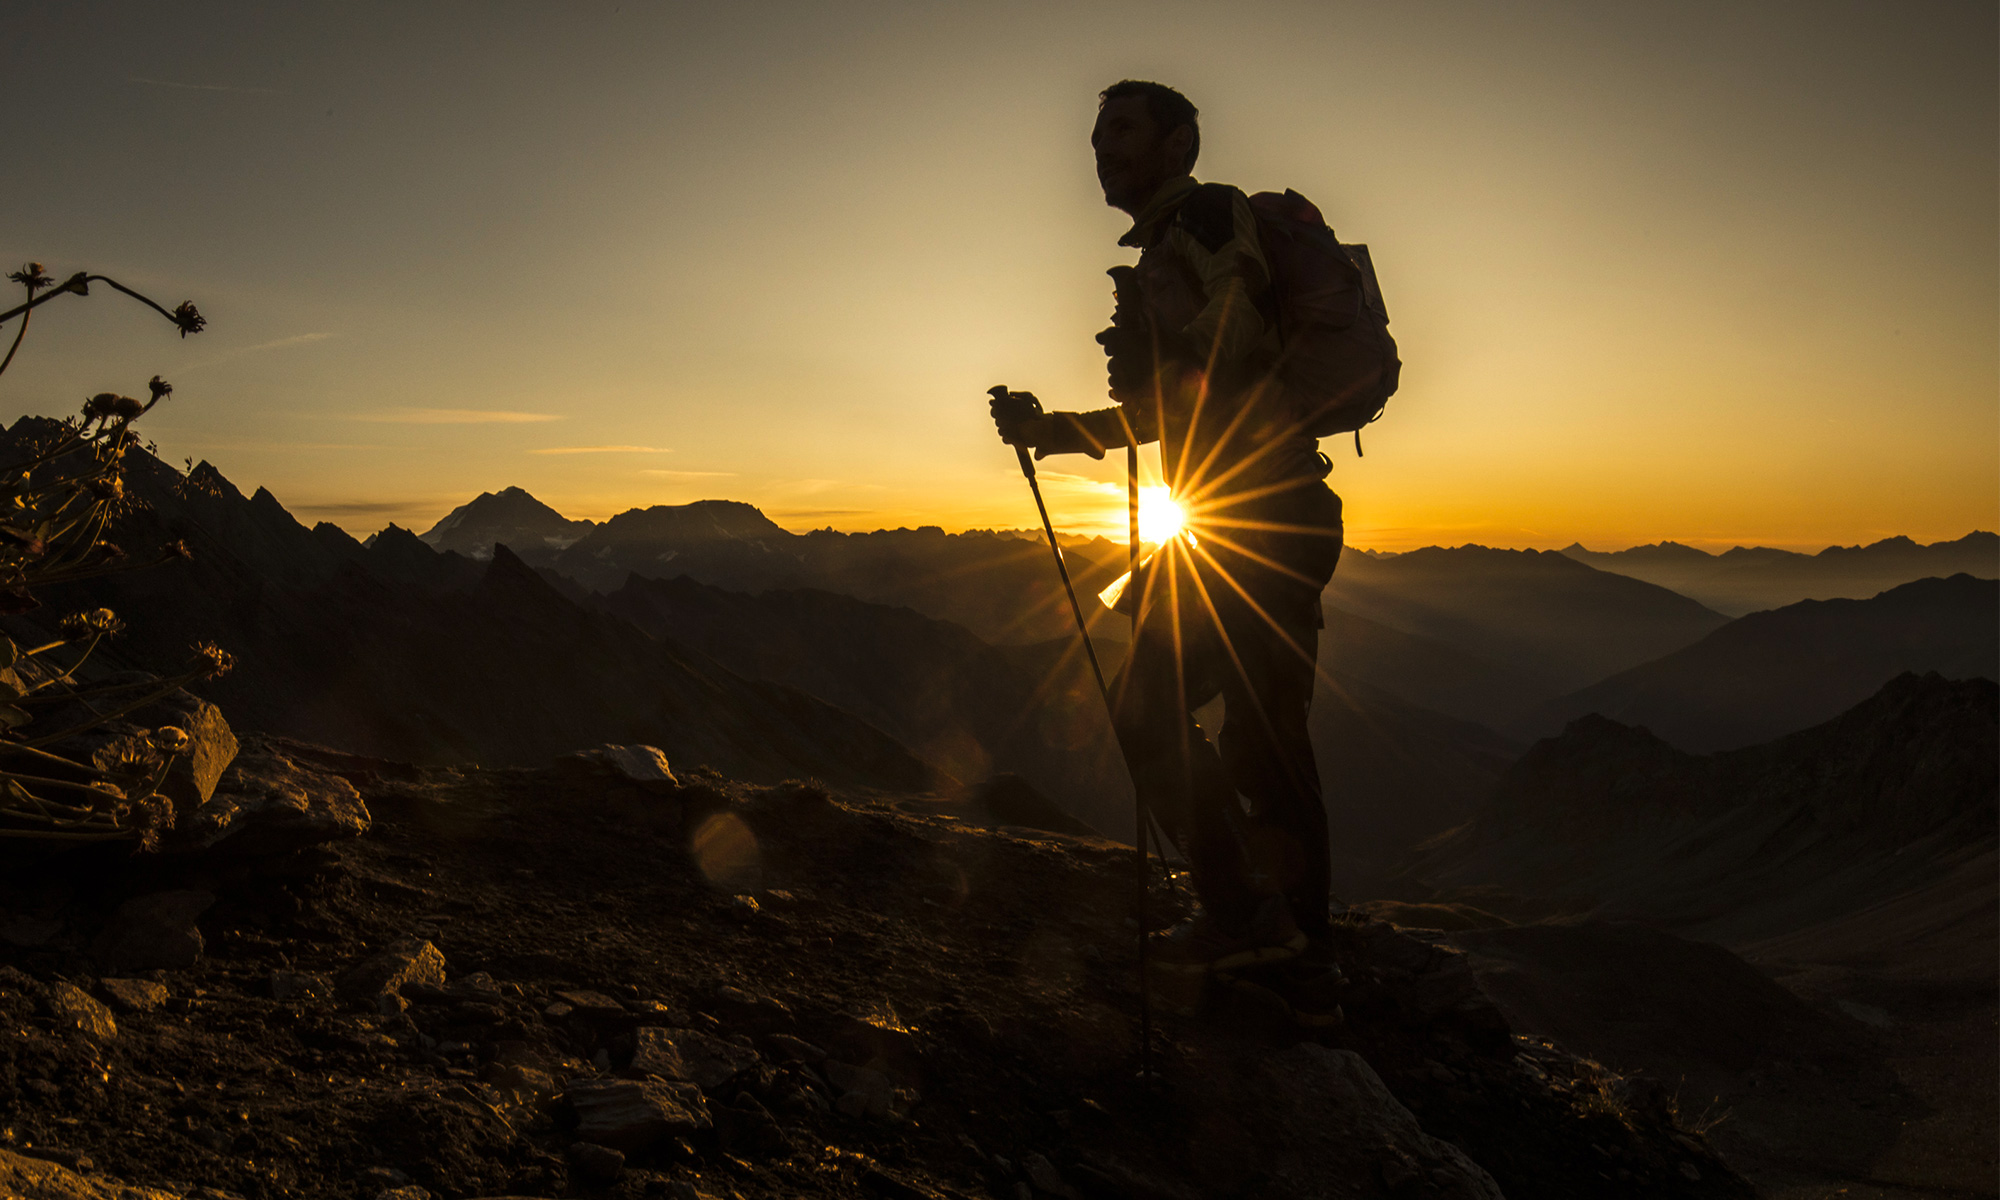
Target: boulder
{"x":632,"y":1114}
{"x":153,"y":932}
{"x":783,"y":1047}
{"x":643,"y":765}
{"x":597,"y":1164}
{"x":134,"y":995}
{"x":195,"y":772}
{"x":74,"y":1008}
{"x":1338,"y":1119}
{"x":1047,"y":1180}
{"x":863,"y":1092}
{"x":380,"y":979}
{"x":699,"y":1058}
{"x":27,"y":930}
{"x":268,"y":804}
{"x":753,"y":1011}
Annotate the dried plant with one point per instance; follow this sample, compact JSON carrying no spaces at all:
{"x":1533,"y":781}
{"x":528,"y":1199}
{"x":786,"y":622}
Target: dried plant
{"x":30,"y":276}
{"x":58,"y":504}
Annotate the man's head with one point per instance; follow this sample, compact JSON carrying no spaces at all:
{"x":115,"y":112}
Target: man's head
{"x":1146,"y":134}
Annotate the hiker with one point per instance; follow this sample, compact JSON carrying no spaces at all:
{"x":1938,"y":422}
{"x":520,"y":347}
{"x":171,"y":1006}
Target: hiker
{"x":1232,"y":610}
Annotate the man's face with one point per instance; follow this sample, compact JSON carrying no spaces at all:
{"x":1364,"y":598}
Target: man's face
{"x":1134,"y":157}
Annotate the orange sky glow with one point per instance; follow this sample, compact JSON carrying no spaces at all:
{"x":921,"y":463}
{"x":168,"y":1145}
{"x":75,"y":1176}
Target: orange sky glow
{"x":1707,"y":272}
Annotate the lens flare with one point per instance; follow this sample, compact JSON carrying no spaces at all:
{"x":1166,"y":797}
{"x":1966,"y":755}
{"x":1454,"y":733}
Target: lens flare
{"x":1160,"y":515}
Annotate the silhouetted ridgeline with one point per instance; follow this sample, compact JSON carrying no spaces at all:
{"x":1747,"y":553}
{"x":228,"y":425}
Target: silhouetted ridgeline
{"x":1749,"y":578}
{"x":1770,"y":673}
{"x":397,"y":651}
{"x":1553,"y":622}
{"x":999,"y":585}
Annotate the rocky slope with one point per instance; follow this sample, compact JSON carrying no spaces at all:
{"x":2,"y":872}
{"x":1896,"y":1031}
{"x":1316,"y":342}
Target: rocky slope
{"x":1395,"y":772}
{"x":1772,"y":673}
{"x":1426,"y":672}
{"x":968,"y":708}
{"x":1854,"y":863}
{"x":559,"y":983}
{"x":1752,"y":578}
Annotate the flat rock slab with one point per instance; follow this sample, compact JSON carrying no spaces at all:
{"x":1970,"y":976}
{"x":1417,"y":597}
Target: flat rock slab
{"x":24,"y":1178}
{"x":699,"y":1058}
{"x":152,"y":932}
{"x":134,"y":995}
{"x":591,"y":1004}
{"x":630,"y":1115}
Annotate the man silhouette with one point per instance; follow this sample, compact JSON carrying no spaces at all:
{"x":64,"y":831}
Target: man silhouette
{"x":1233,"y":608}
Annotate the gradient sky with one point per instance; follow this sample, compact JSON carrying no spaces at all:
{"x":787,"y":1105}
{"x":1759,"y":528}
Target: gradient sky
{"x":1715,"y":272}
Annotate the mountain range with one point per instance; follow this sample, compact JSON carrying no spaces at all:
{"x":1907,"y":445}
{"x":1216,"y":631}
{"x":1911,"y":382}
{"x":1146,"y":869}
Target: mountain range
{"x":1773,"y":672}
{"x":1517,"y":641}
{"x":396,"y":650}
{"x":1437,"y":666}
{"x":1554,"y":623}
{"x":1869,"y":839}
{"x":1748,"y":578}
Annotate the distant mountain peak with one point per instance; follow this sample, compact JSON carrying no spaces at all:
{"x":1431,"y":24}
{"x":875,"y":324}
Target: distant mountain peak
{"x":512,"y":516}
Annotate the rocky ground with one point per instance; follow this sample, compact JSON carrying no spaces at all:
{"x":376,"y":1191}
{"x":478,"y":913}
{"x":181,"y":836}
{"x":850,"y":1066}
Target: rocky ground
{"x":569,"y":982}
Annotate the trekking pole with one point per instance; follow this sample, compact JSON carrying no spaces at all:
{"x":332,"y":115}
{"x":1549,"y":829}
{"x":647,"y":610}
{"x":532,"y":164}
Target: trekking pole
{"x":1000,"y":392}
{"x":1146,"y":1071}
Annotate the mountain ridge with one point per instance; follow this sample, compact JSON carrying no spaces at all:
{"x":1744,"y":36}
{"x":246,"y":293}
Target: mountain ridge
{"x":1773,"y":672}
{"x":1824,"y":829}
{"x":1748,"y":578}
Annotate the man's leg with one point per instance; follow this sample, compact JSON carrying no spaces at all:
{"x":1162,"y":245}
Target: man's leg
{"x":1174,"y":766}
{"x":1265,"y":740}
{"x":1268,"y":749}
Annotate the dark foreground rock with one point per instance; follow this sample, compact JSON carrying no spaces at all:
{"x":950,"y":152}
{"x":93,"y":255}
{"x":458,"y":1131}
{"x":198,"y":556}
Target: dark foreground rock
{"x":525,"y":983}
{"x":269,"y":803}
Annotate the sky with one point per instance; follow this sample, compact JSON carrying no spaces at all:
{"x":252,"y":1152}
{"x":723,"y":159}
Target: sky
{"x":1712,"y":272}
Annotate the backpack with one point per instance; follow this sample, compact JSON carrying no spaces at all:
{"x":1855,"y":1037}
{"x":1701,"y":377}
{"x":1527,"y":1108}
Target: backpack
{"x":1338,"y":364}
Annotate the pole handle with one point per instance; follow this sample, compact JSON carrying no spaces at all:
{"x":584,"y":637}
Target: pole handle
{"x":999,"y":392}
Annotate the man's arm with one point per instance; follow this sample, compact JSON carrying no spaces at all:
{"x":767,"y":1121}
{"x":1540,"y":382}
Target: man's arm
{"x":1091,"y":432}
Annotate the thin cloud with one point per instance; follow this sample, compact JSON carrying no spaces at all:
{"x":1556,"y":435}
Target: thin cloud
{"x":239,"y":444}
{"x":454,"y":416}
{"x":690,"y":474}
{"x":203,"y":87}
{"x":602,"y":450}
{"x":297,"y":339}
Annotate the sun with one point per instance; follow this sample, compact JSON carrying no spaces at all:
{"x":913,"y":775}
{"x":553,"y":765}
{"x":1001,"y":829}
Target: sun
{"x":1160,"y":515}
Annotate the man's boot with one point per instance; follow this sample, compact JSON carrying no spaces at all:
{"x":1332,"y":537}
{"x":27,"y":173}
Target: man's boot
{"x":1206,"y":944}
